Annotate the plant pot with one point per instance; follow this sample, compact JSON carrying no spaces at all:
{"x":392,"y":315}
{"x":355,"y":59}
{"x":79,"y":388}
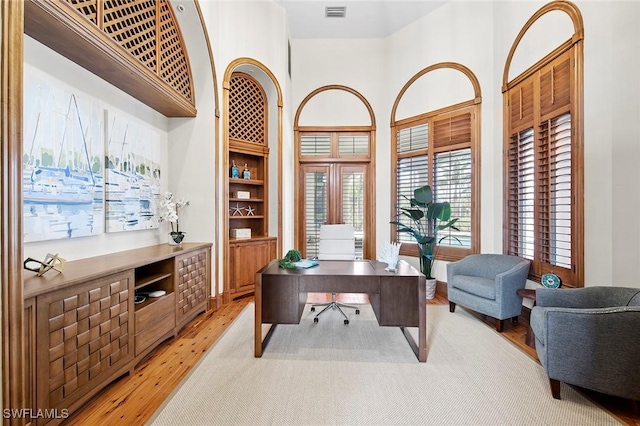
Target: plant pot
{"x":175,"y":238}
{"x":431,"y":288}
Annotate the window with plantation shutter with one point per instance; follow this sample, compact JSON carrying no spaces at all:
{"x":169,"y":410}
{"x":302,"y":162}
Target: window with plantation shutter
{"x":333,"y":165}
{"x":438,"y":149}
{"x":319,"y":145}
{"x":543,"y":161}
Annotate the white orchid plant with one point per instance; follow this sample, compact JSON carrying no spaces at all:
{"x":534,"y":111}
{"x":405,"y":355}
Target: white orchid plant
{"x":169,"y":210}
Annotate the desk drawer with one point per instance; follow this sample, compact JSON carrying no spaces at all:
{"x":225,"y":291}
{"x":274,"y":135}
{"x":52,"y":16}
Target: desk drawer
{"x":340,"y":284}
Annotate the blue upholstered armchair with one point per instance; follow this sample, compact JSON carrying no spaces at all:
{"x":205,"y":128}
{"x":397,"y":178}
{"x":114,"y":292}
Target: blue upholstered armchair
{"x":589,"y":337}
{"x":488,"y":283}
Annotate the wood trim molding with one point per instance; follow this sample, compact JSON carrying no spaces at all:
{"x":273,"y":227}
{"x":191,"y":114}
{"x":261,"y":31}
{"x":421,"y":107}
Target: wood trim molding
{"x":371,"y":188}
{"x":442,"y":65}
{"x":231,"y":68}
{"x":564,"y":6}
{"x":296,"y":119}
{"x":59,"y":26}
{"x":14,"y":367}
{"x":215,"y":257}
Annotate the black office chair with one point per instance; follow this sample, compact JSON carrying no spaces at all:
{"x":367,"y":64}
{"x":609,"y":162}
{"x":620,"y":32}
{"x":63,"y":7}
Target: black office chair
{"x":337,"y":242}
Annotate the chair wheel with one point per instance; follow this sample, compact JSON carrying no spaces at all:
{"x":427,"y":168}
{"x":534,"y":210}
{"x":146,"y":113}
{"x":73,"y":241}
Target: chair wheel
{"x":313,"y":309}
{"x":346,"y":322}
{"x":357,"y":311}
{"x":315,"y":320}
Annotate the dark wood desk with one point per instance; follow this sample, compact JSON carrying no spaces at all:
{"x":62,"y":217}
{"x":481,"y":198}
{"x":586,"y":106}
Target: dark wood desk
{"x":397,"y":299}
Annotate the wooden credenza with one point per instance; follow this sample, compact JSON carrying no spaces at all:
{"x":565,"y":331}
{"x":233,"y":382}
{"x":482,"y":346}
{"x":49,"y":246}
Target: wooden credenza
{"x":83,"y":329}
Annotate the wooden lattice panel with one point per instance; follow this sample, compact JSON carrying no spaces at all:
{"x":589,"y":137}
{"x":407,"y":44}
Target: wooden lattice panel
{"x":88,"y":336}
{"x":247,"y":109}
{"x":174,"y":66}
{"x":147,"y":30}
{"x":88,"y":8}
{"x":192,"y":281}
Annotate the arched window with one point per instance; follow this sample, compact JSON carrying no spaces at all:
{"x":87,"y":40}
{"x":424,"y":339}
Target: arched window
{"x":439,"y":147}
{"x":543,"y":162}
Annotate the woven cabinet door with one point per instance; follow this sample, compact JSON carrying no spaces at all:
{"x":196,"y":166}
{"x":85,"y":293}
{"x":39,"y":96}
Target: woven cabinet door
{"x":84,"y":339}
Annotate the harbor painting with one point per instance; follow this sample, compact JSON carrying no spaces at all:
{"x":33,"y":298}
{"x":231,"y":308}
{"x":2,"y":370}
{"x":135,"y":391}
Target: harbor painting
{"x":63,"y":151}
{"x":132,"y":175}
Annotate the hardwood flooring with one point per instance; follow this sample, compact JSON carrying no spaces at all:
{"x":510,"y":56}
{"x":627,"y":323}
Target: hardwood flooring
{"x":133,"y":399}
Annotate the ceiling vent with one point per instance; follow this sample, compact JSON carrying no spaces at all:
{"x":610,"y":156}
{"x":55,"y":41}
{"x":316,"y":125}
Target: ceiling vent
{"x":335,"y":11}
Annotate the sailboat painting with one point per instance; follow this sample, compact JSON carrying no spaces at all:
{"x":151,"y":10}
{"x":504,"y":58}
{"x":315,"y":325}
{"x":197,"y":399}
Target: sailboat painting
{"x":63,"y":151}
{"x":132,"y":174}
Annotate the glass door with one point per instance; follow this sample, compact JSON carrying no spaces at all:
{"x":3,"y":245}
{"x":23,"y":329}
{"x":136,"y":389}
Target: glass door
{"x":333,"y":193}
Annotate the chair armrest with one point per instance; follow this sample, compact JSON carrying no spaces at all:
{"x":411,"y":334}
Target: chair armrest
{"x":604,"y":341}
{"x":513,"y":279}
{"x":584,"y":298}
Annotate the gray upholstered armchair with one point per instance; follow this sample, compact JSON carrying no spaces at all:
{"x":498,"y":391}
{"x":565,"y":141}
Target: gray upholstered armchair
{"x":488,"y":283}
{"x":589,"y":337}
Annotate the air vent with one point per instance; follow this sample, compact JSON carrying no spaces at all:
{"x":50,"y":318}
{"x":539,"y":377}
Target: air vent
{"x":335,"y":11}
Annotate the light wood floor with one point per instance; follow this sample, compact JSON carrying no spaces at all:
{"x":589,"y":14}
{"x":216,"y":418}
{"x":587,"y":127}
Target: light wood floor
{"x":132,"y":400}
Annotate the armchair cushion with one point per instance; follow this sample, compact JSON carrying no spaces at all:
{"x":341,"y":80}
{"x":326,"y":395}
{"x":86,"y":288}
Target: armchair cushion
{"x":488,"y":283}
{"x":589,"y":337}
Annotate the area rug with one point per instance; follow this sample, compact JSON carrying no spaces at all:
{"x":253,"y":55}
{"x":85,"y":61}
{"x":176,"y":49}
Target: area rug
{"x":362,"y":374}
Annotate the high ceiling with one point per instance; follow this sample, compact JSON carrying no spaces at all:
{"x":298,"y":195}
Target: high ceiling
{"x":364,"y":18}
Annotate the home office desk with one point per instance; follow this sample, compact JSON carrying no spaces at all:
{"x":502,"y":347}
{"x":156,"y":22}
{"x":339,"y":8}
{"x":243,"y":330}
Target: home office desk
{"x":397,"y":299}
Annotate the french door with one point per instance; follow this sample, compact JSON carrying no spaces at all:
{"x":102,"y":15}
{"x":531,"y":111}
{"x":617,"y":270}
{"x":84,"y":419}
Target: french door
{"x":334,"y":193}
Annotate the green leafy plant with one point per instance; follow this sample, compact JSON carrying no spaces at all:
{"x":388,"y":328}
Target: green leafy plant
{"x":292,"y":256}
{"x":423,"y":220}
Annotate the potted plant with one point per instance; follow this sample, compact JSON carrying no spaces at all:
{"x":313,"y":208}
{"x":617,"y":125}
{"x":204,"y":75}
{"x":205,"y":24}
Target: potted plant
{"x":423,"y":220}
{"x":169,"y":212}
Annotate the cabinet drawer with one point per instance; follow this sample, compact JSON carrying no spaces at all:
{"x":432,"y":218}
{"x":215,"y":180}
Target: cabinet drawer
{"x":151,"y":334}
{"x":152,"y":313}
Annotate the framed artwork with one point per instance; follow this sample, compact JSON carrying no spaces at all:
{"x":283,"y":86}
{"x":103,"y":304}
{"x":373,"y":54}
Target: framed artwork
{"x":63,"y":151}
{"x":132,"y":174}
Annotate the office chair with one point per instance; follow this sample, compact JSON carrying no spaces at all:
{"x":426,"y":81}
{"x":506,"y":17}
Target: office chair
{"x":337,"y":242}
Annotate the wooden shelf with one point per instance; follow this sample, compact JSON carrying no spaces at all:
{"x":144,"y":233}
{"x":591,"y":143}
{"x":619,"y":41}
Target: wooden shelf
{"x":255,"y":182}
{"x":142,"y":282}
{"x":247,"y":200}
{"x":246,"y":217}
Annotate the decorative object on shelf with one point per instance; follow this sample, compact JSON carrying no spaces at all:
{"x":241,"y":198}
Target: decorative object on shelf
{"x":240,"y":233}
{"x":246,"y":174}
{"x":51,"y":261}
{"x":550,"y":280}
{"x":389,"y":253}
{"x":169,"y":212}
{"x":242,"y":195}
{"x":139,"y":299}
{"x":237,"y":210}
{"x":234,"y":173}
{"x":289,"y":259}
{"x":250,"y":210}
{"x":427,"y":218}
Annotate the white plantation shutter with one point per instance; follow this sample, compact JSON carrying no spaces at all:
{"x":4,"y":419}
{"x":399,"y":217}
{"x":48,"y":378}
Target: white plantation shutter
{"x":412,"y":168}
{"x":319,"y":145}
{"x":353,"y":194}
{"x":452,"y":183}
{"x":316,"y":208}
{"x":353,"y":145}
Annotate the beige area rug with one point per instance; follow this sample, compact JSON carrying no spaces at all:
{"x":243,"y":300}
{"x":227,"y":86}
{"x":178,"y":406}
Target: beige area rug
{"x":362,"y":374}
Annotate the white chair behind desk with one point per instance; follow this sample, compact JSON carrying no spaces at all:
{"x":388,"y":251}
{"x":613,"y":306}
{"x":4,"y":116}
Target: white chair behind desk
{"x":336,"y":242}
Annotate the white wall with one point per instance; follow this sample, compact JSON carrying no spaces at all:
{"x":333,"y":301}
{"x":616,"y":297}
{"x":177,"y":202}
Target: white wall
{"x":479,"y":36}
{"x":60,"y":71}
{"x":256,"y":30}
